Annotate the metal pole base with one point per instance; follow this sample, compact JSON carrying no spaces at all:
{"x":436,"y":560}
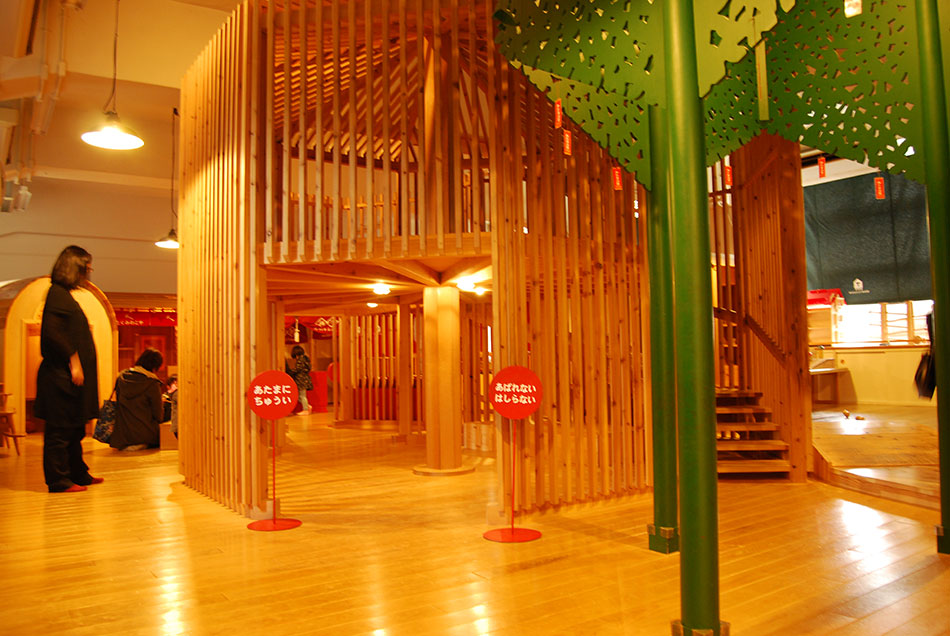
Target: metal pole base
{"x":512,"y":535}
{"x":679,"y":630}
{"x":269,"y":525}
{"x":663,"y":540}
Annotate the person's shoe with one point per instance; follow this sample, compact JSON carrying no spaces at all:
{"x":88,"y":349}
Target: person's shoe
{"x":97,"y":480}
{"x":136,"y":447}
{"x":73,"y":488}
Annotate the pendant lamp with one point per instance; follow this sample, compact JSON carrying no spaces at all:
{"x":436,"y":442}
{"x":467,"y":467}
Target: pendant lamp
{"x":112,"y":134}
{"x":170,"y":240}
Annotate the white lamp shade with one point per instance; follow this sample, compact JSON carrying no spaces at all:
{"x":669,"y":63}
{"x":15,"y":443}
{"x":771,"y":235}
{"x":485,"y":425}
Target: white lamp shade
{"x":112,"y":135}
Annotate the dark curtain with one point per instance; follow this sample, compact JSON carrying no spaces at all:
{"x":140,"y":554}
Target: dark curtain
{"x":873,"y":250}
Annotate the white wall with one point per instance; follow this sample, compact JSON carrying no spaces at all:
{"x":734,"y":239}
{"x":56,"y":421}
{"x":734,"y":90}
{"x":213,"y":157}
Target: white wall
{"x":881,"y":375}
{"x":117,"y":224}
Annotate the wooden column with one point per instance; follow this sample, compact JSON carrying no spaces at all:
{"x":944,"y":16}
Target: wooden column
{"x":404,"y":366}
{"x":443,"y":385}
{"x":347,"y":342}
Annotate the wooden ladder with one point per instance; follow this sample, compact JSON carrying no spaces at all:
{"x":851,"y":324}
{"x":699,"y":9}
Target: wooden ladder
{"x":746,"y":437}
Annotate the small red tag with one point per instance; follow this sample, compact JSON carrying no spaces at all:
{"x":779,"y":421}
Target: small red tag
{"x":618,"y":178}
{"x":821,"y":167}
{"x":879,"y":188}
{"x":567,"y":142}
{"x":558,"y":114}
{"x":727,"y":175}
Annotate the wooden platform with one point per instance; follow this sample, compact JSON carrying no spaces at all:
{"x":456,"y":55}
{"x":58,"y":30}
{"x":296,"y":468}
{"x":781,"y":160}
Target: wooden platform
{"x":384,"y":552}
{"x":891,"y":452}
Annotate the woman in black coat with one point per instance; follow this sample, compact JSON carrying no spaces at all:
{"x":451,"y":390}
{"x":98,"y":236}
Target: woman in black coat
{"x":139,"y":409}
{"x":67,"y":383}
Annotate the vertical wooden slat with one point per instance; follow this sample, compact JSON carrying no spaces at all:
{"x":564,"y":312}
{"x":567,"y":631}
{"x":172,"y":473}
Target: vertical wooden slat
{"x":422,"y":141}
{"x":318,"y":147}
{"x":303,"y":191}
{"x":269,"y":136}
{"x":386,"y":107}
{"x":351,"y":108}
{"x":403,"y":128}
{"x":337,"y":138}
{"x":369,"y":98}
{"x":474,"y":137}
{"x":455,"y":124}
{"x":286,"y":142}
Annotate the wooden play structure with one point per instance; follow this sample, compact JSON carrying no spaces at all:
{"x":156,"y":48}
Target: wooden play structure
{"x":21,"y":313}
{"x":332,"y":146}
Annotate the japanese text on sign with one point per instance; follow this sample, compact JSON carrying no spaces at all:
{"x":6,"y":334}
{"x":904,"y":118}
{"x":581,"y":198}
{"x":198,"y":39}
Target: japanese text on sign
{"x":515,"y":392}
{"x":272,"y":394}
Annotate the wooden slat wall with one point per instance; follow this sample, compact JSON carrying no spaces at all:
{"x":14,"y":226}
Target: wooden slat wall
{"x":567,"y":291}
{"x":477,"y":413}
{"x":371,"y":386}
{"x":769,"y":298}
{"x":566,"y":247}
{"x":222,"y":452}
{"x":351,"y":146}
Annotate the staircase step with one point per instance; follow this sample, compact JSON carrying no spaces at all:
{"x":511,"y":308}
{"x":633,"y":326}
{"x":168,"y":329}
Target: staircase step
{"x":733,"y":395}
{"x":724,"y":427}
{"x":741,"y":409}
{"x":754,"y":466}
{"x":752,"y":445}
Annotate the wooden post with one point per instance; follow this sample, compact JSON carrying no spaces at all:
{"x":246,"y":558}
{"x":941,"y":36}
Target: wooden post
{"x":443,"y":383}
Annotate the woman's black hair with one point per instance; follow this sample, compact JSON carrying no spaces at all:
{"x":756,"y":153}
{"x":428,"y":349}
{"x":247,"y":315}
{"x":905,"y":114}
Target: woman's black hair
{"x":72,"y":267}
{"x":296,"y":351}
{"x":150,"y":360}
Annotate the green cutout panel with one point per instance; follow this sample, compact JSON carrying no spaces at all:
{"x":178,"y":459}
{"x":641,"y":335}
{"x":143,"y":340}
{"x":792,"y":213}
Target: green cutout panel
{"x":616,"y":123}
{"x":847,"y":86}
{"x":850,"y":86}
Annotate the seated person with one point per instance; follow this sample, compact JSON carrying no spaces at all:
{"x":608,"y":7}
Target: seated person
{"x":171,"y":387}
{"x":139,"y":408}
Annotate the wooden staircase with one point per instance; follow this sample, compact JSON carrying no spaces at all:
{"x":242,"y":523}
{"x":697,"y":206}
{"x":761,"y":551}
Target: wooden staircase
{"x":747,"y":439}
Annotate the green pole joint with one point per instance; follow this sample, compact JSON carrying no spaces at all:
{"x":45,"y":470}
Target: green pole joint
{"x":937,"y":167}
{"x":662,"y":369}
{"x":693,"y":329}
{"x":663,"y":539}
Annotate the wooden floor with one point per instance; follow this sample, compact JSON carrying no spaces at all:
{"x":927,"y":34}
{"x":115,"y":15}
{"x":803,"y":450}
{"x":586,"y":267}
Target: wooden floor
{"x":384,"y":552}
{"x":888,"y":451}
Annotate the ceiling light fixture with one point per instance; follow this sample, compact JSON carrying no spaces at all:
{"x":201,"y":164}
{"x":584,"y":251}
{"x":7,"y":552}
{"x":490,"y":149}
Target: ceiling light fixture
{"x":170,"y":240}
{"x":466,"y":284}
{"x":372,"y":305}
{"x":852,"y":8}
{"x":381,"y":289}
{"x":113,"y":135}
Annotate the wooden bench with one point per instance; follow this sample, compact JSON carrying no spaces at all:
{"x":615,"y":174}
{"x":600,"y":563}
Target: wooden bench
{"x":835,"y":373}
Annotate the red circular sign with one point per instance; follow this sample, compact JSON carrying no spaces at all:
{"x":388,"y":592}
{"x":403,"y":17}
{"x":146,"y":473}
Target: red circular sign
{"x":272,"y":395}
{"x":515,"y":392}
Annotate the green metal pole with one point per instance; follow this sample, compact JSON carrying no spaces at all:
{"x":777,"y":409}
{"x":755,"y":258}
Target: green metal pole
{"x":664,"y":531}
{"x":693,"y":324}
{"x":937,"y":167}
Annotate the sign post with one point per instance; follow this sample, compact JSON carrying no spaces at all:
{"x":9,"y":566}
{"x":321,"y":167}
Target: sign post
{"x":273,"y":395}
{"x":515,"y":393}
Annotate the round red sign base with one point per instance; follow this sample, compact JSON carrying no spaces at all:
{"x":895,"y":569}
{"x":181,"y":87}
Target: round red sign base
{"x":512,"y":535}
{"x":274,"y":524}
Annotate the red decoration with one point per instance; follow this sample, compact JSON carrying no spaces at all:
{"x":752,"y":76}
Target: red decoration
{"x":824,"y":296}
{"x":567,"y":143}
{"x":727,"y":175}
{"x":879,"y":188}
{"x":515,"y":392}
{"x":558,"y":114}
{"x":272,"y":395}
{"x":821,"y":168}
{"x":153,"y":318}
{"x":618,"y":178}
